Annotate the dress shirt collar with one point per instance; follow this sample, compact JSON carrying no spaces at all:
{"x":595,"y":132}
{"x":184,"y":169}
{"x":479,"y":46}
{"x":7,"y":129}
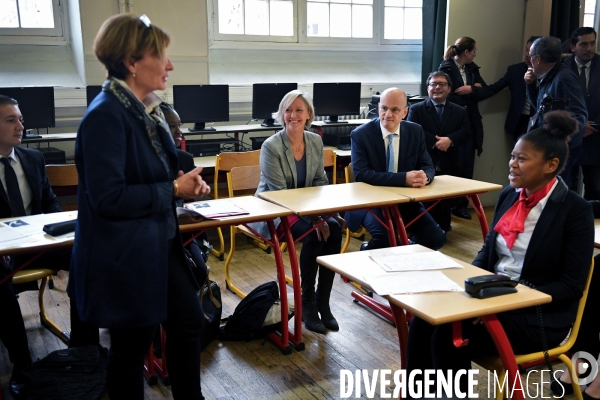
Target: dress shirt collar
{"x":579,"y":65}
{"x":385,"y":132}
{"x":460,"y":67}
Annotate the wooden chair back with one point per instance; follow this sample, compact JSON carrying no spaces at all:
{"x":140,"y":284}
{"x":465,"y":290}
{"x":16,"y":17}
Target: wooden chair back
{"x":330,"y":160}
{"x":62,"y":175}
{"x":349,"y":173}
{"x":225,"y":161}
{"x":243,"y":178}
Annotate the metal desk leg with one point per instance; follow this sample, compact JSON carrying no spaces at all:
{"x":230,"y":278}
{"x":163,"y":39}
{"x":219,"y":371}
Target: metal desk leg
{"x":476,"y":203}
{"x":506,"y":354}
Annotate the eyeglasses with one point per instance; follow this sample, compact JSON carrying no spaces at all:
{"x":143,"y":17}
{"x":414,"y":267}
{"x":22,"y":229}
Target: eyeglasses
{"x":440,"y":84}
{"x":144,"y":18}
{"x":394,"y":110}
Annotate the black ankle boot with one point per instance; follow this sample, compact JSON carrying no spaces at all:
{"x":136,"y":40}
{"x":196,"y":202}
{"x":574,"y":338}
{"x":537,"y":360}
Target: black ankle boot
{"x":311,"y":319}
{"x":326,"y":316}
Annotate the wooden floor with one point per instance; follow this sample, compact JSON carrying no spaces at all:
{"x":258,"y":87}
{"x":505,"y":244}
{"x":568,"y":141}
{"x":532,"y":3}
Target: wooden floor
{"x":257,"y":369}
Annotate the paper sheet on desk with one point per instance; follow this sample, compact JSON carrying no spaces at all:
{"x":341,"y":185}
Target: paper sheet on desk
{"x":412,"y":282}
{"x":32,"y":224}
{"x":216,"y":209}
{"x":421,"y":261}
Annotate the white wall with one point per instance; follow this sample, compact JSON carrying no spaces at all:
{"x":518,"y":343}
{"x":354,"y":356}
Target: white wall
{"x":497,"y":27}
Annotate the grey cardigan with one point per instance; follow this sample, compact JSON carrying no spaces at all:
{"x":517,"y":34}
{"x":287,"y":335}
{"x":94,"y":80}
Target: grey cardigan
{"x":278,"y":169}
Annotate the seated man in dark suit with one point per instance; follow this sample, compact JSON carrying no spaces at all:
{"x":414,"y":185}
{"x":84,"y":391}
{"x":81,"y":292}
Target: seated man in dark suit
{"x":403,"y":163}
{"x":25,"y":190}
{"x":446,"y":126}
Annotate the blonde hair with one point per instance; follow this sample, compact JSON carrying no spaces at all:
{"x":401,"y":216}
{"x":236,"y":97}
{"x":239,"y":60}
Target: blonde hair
{"x":289,"y":99}
{"x":126,"y":36}
{"x":459,"y":47}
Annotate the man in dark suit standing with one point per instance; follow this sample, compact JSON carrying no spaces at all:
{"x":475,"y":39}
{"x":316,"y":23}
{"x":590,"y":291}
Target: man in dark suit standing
{"x":25,"y":190}
{"x":446,"y":127}
{"x":551,"y":85}
{"x":390,"y":152}
{"x":520,"y":109}
{"x":586,"y":64}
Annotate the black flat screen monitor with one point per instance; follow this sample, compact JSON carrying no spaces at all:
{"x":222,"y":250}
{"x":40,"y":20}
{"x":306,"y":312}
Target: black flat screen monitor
{"x":266,"y":98}
{"x":335,"y":99}
{"x":91,"y":92}
{"x":36,"y":105}
{"x":199,"y":104}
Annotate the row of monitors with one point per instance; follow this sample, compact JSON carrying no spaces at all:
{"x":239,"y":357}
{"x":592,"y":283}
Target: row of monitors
{"x":200,"y":104}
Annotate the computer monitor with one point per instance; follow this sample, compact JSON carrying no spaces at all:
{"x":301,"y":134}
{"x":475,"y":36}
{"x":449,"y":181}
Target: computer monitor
{"x":91,"y":91}
{"x":199,"y":104}
{"x":36,"y":105}
{"x":266,"y":98}
{"x":335,"y":99}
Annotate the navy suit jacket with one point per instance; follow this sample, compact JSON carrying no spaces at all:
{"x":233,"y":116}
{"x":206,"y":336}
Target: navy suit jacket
{"x":43,"y":199}
{"x":369,"y":164}
{"x":514,"y":80}
{"x":119,"y":268}
{"x":591,"y":143}
{"x":560,"y":83}
{"x":454,"y":125}
{"x":558,"y":256}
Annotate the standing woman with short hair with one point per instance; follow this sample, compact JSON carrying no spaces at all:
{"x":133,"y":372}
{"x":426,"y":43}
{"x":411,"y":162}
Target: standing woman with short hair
{"x":466,"y":81}
{"x":128,"y":271}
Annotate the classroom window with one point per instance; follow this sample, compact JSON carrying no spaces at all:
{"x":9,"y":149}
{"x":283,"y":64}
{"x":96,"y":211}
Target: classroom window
{"x":318,"y":21}
{"x":256,"y":17}
{"x":28,"y":18}
{"x":589,"y":13}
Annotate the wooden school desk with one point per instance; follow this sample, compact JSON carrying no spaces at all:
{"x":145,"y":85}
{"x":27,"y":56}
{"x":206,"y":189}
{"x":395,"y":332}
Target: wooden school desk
{"x":330,"y":199}
{"x":40,"y":242}
{"x":441,"y":307}
{"x":448,"y":187}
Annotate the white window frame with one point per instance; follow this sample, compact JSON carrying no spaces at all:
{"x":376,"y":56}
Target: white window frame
{"x":300,"y":38}
{"x":56,"y":35}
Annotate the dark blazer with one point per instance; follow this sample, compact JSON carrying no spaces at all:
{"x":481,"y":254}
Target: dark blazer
{"x":126,"y":207}
{"x":454,"y":124}
{"x":43,"y":199}
{"x":368,"y":158}
{"x":591,"y":143}
{"x":514,"y":80}
{"x":560,"y":83}
{"x":559,"y":253}
{"x":470,"y":101}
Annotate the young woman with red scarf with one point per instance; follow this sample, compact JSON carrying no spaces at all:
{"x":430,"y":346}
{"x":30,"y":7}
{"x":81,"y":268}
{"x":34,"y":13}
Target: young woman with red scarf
{"x":542,"y":234}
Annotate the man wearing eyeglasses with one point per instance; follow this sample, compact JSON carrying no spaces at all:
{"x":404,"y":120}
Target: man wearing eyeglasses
{"x":551,"y":85}
{"x":390,"y":152}
{"x":446,"y":127}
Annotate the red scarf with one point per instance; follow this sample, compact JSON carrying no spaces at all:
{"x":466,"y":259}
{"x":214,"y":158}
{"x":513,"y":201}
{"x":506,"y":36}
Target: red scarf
{"x":513,"y":221}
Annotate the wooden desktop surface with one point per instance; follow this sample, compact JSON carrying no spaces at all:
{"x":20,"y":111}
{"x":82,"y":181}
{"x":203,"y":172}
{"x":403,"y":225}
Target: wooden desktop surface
{"x":41,"y":240}
{"x":259,"y":210}
{"x":333,"y":198}
{"x":445,"y":185}
{"x":434,"y":307}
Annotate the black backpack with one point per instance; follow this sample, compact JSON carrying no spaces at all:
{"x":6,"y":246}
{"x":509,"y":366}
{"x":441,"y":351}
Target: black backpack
{"x":247,"y":320}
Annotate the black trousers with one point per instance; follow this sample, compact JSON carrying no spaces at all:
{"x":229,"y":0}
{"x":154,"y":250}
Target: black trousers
{"x":183,"y":326}
{"x":431,"y":347}
{"x":312,"y":248}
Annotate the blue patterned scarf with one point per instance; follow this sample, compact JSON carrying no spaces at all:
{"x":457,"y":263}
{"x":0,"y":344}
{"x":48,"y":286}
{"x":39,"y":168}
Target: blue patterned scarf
{"x":136,"y":108}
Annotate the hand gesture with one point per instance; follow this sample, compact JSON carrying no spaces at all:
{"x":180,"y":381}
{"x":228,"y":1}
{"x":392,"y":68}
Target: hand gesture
{"x":466,"y":89}
{"x":416,"y":179}
{"x":442,"y":143}
{"x":190,"y":185}
{"x":589,"y":129}
{"x":530,"y":76}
